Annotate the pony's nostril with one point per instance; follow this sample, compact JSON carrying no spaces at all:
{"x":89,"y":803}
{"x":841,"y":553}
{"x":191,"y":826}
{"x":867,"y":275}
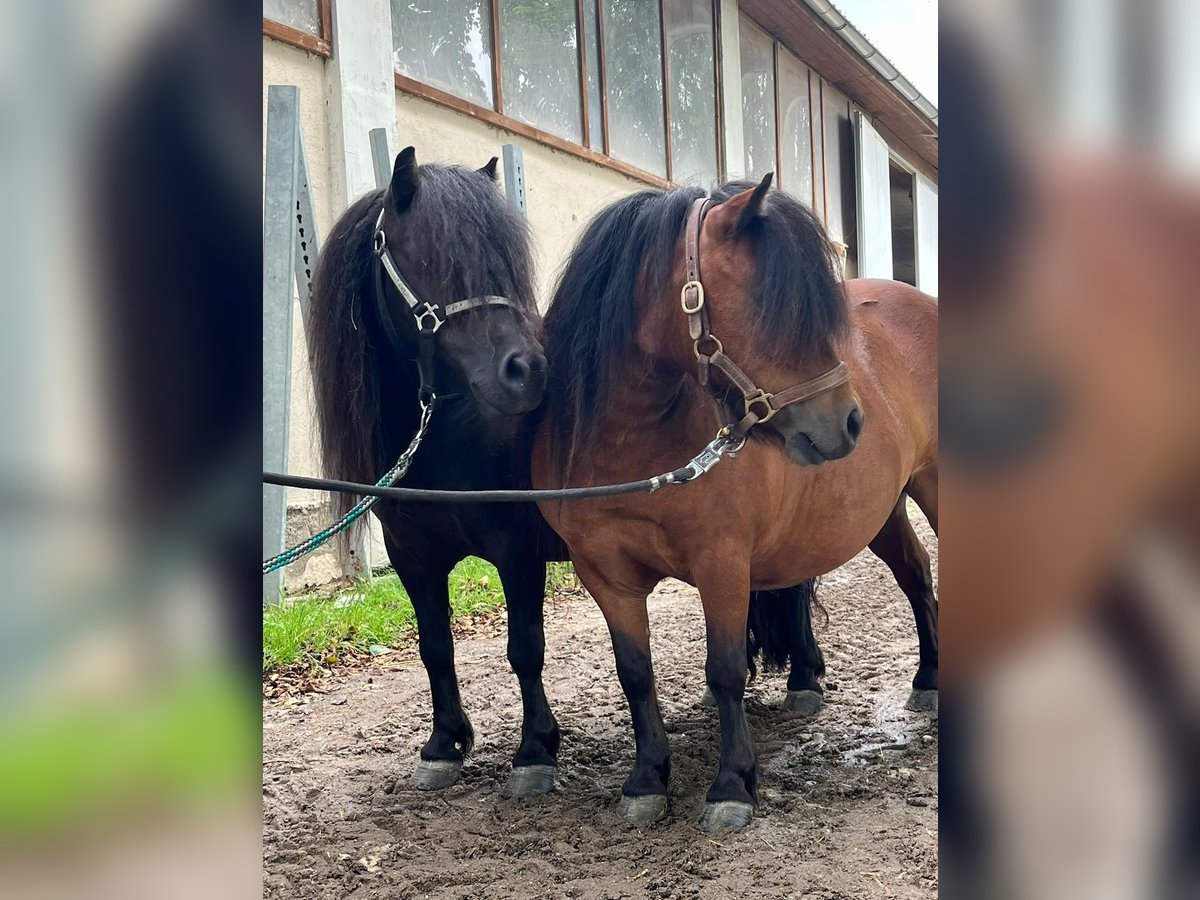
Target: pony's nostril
{"x":854,"y":423}
{"x":516,"y":369}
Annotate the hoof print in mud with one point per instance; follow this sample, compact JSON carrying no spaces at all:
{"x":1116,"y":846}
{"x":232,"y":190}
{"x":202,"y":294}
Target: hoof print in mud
{"x":726,"y":814}
{"x":435,"y":774}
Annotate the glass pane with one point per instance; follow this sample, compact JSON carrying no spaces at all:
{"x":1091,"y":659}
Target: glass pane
{"x":633,"y":51}
{"x":839,"y":175}
{"x":591,"y":37}
{"x":795,"y":138}
{"x":758,"y":99}
{"x":539,"y":65}
{"x":693,"y":92}
{"x":446,"y":44}
{"x":302,"y":15}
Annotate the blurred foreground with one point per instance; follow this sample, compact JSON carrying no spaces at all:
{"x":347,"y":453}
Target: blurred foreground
{"x":1071,"y":468}
{"x":129,"y":713}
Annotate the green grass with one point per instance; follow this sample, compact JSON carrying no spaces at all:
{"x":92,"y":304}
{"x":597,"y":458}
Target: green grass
{"x":317,"y":632}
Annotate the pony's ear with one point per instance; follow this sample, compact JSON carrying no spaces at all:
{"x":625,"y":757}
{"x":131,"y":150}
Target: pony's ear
{"x":490,"y":169}
{"x":742,"y":209}
{"x":405,"y":179}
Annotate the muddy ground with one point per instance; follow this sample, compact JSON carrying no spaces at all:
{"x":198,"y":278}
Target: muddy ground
{"x":848,"y":798}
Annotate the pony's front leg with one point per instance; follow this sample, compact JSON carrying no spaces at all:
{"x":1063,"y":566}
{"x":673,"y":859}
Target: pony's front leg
{"x":724,"y":594}
{"x":524,"y":580}
{"x":644,"y":794}
{"x":442,"y":756}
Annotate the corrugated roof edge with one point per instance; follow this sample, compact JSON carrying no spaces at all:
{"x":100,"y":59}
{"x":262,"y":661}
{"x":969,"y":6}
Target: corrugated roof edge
{"x":858,"y":42}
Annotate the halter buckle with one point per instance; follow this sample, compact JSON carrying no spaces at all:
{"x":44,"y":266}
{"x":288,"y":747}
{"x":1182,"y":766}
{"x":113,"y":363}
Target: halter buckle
{"x":699,"y":300}
{"x":763,"y":398}
{"x":380,"y":241}
{"x":428,"y":313}
{"x":707,"y":337}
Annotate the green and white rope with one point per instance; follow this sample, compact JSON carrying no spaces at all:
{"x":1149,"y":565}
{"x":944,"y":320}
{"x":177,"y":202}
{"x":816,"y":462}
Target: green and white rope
{"x":394,"y":474}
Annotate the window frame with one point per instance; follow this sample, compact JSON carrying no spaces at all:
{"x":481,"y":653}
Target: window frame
{"x":319,"y":45}
{"x":495,"y":114}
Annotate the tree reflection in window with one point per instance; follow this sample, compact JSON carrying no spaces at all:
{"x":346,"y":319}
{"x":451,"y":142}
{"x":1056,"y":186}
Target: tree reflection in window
{"x":693,"y":92}
{"x":795,"y":137}
{"x":539,"y":61}
{"x":758,"y":99}
{"x":446,"y":44}
{"x":633,"y":53}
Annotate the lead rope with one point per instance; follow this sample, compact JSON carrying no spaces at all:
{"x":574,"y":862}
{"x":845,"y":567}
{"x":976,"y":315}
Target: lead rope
{"x":394,"y":474}
{"x":725,"y":443}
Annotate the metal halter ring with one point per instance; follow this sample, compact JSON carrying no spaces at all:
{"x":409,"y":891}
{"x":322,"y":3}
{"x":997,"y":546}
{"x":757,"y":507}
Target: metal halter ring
{"x":683,"y":297}
{"x":431,"y":313}
{"x":707,"y":337}
{"x":763,"y":398}
{"x":732,"y":444}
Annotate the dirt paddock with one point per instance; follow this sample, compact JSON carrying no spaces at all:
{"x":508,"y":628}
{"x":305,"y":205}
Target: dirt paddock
{"x":848,"y":798}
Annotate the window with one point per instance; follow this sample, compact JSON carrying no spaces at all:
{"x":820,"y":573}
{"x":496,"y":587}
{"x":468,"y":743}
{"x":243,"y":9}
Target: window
{"x":841,"y":196}
{"x":539,"y":55}
{"x":302,"y":15}
{"x":633,"y":63}
{"x":304,"y":23}
{"x":693,"y":102}
{"x":447,"y":45}
{"x":584,"y":76}
{"x":758,"y":99}
{"x":795,"y":124}
{"x":593,"y":53}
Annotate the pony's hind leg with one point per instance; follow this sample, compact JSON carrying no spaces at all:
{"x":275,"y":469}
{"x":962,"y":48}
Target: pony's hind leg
{"x":898,"y":546}
{"x":644,"y":794}
{"x":725,"y":595}
{"x":524,"y":581}
{"x":442,"y":756}
{"x":779,"y":629}
{"x":804,"y":692}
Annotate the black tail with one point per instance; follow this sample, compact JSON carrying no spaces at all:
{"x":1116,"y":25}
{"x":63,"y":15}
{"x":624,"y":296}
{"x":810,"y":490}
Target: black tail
{"x":780,"y":623}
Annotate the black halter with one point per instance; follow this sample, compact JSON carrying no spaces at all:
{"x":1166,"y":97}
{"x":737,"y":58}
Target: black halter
{"x":430,"y":316}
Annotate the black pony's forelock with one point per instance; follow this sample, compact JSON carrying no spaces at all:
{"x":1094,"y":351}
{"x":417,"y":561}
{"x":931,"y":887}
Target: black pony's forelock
{"x":459,"y":238}
{"x":630,"y":248}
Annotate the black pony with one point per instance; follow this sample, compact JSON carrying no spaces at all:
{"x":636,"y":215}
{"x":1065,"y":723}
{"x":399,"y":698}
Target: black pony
{"x":453,"y":236}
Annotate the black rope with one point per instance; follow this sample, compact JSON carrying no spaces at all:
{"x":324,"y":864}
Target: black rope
{"x":646,"y":485}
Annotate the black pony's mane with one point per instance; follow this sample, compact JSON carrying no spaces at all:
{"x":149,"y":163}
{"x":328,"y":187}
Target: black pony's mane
{"x":459,"y":238}
{"x":629,"y":249}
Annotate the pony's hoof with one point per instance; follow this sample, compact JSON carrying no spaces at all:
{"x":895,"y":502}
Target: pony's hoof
{"x":648,"y":809}
{"x":726,"y":814}
{"x":923,"y":700}
{"x":435,"y":774}
{"x":526,"y":781}
{"x":807,"y":703}
{"x":708,"y":700}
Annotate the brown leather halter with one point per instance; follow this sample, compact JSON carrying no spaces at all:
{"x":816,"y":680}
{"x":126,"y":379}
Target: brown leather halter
{"x":760,"y":405}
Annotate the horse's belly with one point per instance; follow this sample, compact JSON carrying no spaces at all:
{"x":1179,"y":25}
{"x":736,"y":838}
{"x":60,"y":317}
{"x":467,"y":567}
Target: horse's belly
{"x":827,"y":524}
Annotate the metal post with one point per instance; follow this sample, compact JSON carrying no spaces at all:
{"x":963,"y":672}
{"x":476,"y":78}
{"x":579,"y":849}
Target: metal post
{"x":514,"y":176}
{"x":379,"y":157}
{"x":279,"y":261}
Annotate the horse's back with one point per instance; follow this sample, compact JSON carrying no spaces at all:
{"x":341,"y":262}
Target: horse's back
{"x":896,"y":340}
